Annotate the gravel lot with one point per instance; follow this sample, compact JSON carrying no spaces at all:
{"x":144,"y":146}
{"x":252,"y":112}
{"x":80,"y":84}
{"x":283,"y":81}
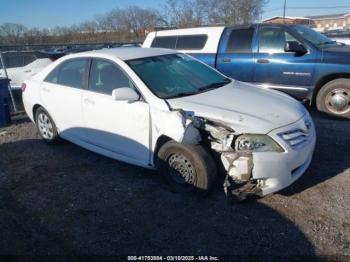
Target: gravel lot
{"x":68,"y":201}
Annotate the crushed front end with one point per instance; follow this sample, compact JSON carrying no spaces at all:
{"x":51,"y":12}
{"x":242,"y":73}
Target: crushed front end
{"x":260,"y":164}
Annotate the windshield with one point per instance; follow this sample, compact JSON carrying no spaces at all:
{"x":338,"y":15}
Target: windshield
{"x":176,"y":75}
{"x":314,"y":37}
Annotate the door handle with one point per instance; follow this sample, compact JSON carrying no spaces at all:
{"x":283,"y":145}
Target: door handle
{"x":89,"y":101}
{"x":46,"y":90}
{"x":28,"y":71}
{"x":263,"y":61}
{"x":226,"y":60}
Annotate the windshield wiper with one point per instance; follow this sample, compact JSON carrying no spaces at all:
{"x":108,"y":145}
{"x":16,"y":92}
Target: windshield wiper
{"x":181,"y":95}
{"x":214,"y":85}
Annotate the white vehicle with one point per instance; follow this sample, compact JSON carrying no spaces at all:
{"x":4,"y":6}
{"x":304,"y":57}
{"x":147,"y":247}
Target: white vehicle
{"x":164,"y":110}
{"x":21,"y":65}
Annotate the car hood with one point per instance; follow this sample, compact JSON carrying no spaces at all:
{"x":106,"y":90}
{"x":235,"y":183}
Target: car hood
{"x":243,"y":107}
{"x":339,"y":54}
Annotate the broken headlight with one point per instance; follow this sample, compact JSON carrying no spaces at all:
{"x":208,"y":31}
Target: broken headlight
{"x":257,"y":143}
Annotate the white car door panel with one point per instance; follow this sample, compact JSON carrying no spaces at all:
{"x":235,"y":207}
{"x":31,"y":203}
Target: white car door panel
{"x":61,"y":94}
{"x":118,"y":126}
{"x":68,"y":115}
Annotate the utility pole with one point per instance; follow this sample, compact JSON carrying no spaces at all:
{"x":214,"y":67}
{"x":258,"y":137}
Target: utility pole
{"x":284,"y":11}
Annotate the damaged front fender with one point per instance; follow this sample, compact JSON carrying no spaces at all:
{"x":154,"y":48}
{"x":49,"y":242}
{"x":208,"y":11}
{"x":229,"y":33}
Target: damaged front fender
{"x":186,"y":128}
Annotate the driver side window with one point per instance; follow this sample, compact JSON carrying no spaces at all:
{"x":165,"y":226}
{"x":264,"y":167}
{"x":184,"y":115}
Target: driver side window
{"x":105,"y":76}
{"x":273,"y":40}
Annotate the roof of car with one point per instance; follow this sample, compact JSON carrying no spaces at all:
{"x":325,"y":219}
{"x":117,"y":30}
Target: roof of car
{"x":129,"y":53}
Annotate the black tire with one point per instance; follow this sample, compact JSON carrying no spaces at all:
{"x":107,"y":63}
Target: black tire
{"x":51,"y":136}
{"x":335,"y":90}
{"x":195,"y":167}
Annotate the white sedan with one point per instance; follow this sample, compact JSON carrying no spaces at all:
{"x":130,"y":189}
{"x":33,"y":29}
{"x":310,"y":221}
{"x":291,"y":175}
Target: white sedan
{"x":164,"y":110}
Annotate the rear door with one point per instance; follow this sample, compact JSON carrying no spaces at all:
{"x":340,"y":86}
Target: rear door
{"x":121,"y":127}
{"x":235,"y":57}
{"x":277,"y":68}
{"x":61,"y":94}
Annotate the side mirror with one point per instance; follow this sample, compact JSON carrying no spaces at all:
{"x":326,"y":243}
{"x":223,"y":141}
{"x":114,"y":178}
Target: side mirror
{"x":295,"y":47}
{"x":125,"y":94}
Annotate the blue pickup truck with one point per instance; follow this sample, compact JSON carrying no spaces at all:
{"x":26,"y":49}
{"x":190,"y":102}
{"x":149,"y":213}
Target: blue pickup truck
{"x":294,"y":59}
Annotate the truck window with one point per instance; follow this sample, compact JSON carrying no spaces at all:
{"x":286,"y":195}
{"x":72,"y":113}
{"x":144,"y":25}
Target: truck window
{"x":273,"y":39}
{"x":185,"y":42}
{"x":164,"y":42}
{"x":191,"y":42}
{"x":240,"y":41}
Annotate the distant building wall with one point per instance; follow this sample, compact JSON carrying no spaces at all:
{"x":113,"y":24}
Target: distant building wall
{"x":332,"y":22}
{"x":289,"y":20}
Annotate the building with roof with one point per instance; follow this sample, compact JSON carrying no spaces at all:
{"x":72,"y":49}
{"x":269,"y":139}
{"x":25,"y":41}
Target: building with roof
{"x":289,"y":20}
{"x":321,"y":23}
{"x":334,"y":22}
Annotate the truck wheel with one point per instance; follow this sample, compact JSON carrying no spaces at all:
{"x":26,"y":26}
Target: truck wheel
{"x":46,"y":126}
{"x":186,"y":168}
{"x":334,"y":98}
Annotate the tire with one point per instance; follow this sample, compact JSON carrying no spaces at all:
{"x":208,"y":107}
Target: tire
{"x":186,"y":168}
{"x":334,"y":98}
{"x":46,"y":126}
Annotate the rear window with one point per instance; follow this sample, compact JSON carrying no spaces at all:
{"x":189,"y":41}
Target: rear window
{"x":186,"y":42}
{"x":70,"y":73}
{"x":240,"y":41}
{"x":164,"y":42}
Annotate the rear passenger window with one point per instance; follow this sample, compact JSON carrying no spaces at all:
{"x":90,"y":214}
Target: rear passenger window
{"x":240,"y":41}
{"x":164,"y":42}
{"x":191,"y":42}
{"x":185,"y":42}
{"x":70,"y":73}
{"x":105,"y":76}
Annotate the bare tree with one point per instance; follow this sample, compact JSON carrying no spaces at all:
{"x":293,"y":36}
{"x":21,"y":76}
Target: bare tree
{"x":189,"y":13}
{"x":234,"y":11}
{"x":132,"y":23}
{"x":184,"y":13}
{"x":13,"y":32}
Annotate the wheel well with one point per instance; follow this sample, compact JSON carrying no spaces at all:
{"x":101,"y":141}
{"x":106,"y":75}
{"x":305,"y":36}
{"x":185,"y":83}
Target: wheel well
{"x":324,"y":80}
{"x":35,"y":108}
{"x":160,"y":142}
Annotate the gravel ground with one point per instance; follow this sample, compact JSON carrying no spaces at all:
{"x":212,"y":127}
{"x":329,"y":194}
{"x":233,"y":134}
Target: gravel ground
{"x":64,"y":200}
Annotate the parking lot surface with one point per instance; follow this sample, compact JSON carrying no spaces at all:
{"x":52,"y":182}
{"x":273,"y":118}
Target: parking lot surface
{"x":65,"y":200}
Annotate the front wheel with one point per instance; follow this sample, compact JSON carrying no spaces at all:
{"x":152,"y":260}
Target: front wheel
{"x":186,"y":168}
{"x":46,"y":126}
{"x":334,"y":98}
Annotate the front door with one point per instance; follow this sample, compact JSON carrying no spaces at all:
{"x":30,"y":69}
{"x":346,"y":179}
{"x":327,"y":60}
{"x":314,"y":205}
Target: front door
{"x":118,"y":126}
{"x":275,"y":67}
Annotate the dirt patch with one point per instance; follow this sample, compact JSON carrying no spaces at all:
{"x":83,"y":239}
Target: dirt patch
{"x":65,"y":200}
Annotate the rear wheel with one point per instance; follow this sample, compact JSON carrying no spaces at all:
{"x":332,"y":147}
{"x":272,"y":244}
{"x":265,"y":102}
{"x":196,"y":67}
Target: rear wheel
{"x":46,"y":126}
{"x":186,"y":168}
{"x":334,"y":98}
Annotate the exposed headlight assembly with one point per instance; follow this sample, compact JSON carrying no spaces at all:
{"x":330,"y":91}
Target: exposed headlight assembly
{"x":257,"y":143}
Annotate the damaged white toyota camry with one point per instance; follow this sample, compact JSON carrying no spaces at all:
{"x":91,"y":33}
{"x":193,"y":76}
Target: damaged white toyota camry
{"x":161,"y":109}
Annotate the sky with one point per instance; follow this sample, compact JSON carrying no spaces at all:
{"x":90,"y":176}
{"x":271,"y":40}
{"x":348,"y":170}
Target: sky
{"x":50,"y":13}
